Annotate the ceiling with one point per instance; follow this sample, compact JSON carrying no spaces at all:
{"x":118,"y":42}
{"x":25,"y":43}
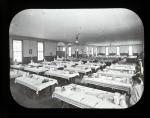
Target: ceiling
{"x":96,"y":26}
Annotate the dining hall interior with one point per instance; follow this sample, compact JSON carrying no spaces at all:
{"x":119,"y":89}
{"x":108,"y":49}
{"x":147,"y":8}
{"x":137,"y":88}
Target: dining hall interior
{"x":76,"y":58}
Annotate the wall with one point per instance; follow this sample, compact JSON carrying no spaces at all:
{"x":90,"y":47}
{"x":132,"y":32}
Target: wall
{"x":124,"y":49}
{"x":112,"y":49}
{"x":31,"y":43}
{"x":101,"y":50}
{"x":137,"y":48}
{"x":50,"y":47}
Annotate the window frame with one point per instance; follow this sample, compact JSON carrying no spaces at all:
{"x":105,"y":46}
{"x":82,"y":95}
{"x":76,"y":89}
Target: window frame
{"x":69,"y":51}
{"x":38,"y":50}
{"x":64,"y":49}
{"x":92,"y":51}
{"x":130,"y":49}
{"x":87,"y":50}
{"x":106,"y":51}
{"x":96,"y":51}
{"x":21,"y":50}
{"x":118,"y":51}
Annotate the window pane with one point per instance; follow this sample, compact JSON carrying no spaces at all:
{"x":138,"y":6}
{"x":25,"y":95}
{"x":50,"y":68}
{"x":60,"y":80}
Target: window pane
{"x":130,"y":51}
{"x":87,"y":51}
{"x":69,"y":51}
{"x":40,"y":51}
{"x":107,"y":51}
{"x":118,"y":51}
{"x":40,"y":55}
{"x":96,"y":51}
{"x":17,"y":50}
{"x":92,"y":52}
{"x":40,"y":46}
{"x":64,"y":48}
{"x":17,"y":45}
{"x":18,"y":56}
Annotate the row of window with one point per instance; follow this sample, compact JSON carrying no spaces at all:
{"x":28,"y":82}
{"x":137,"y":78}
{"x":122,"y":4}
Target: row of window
{"x":92,"y":51}
{"x":118,"y":51}
{"x":17,"y":50}
{"x":107,"y":51}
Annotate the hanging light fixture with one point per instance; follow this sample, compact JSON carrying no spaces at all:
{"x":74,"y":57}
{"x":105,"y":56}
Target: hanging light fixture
{"x":77,"y":37}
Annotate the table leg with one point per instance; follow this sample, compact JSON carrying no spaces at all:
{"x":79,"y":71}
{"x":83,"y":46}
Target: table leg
{"x":62,"y":104}
{"x":74,"y":80}
{"x":68,"y":81}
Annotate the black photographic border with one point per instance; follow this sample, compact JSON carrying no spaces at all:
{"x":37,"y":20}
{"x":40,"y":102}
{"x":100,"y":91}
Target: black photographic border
{"x":15,"y":6}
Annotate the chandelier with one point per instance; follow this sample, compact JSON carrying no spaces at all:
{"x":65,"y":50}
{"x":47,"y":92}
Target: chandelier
{"x":77,"y":38}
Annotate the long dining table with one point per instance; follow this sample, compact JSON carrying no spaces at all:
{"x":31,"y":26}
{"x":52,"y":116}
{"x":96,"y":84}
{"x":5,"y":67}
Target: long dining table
{"x":36,"y":70}
{"x":83,"y":70}
{"x":69,"y":76}
{"x":122,"y":69}
{"x":86,"y":97}
{"x":114,"y":83}
{"x":35,"y":82}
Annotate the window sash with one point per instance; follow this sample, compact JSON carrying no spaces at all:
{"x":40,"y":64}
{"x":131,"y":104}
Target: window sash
{"x":17,"y":45}
{"x":118,"y":51}
{"x":40,"y":55}
{"x":130,"y":51}
{"x":96,"y":51}
{"x":17,"y":50}
{"x":69,"y":51}
{"x":40,"y":46}
{"x":64,"y":49}
{"x":92,"y":51}
{"x":87,"y":51}
{"x":40,"y":51}
{"x":107,"y":53}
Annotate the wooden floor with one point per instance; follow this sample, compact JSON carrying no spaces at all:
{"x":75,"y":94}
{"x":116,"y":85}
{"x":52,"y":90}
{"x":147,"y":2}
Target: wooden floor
{"x":27,"y":98}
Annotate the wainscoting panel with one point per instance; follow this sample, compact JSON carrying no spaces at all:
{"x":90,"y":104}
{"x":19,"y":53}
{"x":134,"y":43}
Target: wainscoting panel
{"x":27,"y":60}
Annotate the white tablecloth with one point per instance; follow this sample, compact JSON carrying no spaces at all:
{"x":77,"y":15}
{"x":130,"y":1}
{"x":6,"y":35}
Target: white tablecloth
{"x":88,"y":66}
{"x":85,"y":97}
{"x":95,"y":64}
{"x":115,"y":73}
{"x":35,"y":64}
{"x":121,"y":68}
{"x":35,"y":69}
{"x":34,"y":83}
{"x":61,"y":73}
{"x":16,"y":73}
{"x":127,"y":69}
{"x":17,"y":66}
{"x":103,"y":81}
{"x":79,"y":69}
{"x":124,"y":66}
{"x":52,"y":66}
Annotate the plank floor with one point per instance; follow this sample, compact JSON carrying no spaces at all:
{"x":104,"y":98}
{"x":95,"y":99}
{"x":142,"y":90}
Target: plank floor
{"x":30,"y":100}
